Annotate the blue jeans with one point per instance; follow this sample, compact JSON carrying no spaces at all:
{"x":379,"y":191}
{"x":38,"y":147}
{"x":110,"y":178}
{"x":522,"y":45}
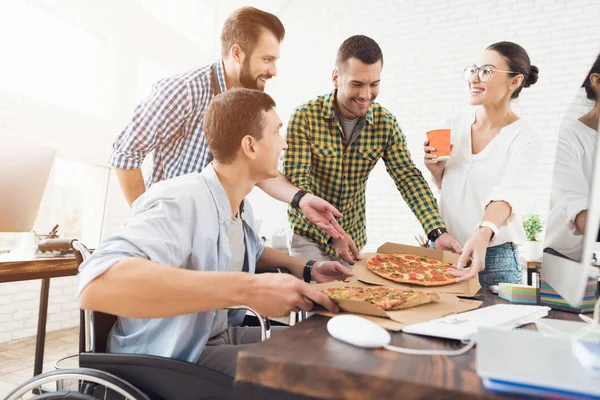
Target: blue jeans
{"x":501,"y":265}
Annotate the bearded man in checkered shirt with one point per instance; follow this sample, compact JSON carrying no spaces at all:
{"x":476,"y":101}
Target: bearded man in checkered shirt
{"x":168,"y":125}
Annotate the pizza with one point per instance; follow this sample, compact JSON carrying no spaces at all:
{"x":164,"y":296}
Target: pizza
{"x":407,"y":268}
{"x":386,"y":298}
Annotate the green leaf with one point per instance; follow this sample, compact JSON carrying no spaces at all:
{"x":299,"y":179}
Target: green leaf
{"x":532,"y":226}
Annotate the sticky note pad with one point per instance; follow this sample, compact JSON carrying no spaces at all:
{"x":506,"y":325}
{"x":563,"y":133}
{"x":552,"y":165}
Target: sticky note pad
{"x":517,"y":293}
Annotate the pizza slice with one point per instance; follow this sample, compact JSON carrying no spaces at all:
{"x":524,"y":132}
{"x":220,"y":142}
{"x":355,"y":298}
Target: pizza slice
{"x":386,"y":298}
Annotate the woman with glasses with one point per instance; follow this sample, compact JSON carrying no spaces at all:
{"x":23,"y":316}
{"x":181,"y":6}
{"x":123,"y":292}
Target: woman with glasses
{"x":492,"y":162}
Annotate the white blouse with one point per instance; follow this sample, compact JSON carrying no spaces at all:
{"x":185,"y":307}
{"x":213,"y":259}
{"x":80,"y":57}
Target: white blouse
{"x":570,"y":187}
{"x":502,"y":171}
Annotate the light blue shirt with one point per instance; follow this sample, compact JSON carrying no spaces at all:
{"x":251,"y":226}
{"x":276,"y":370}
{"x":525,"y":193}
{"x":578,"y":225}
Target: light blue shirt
{"x":181,"y":222}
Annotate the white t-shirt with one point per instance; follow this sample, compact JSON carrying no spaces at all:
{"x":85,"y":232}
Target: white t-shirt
{"x":502,"y":171}
{"x":235,"y":237}
{"x":570,"y":187}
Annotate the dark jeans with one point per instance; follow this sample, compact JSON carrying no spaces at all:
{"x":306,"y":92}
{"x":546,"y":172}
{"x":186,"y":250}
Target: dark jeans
{"x":251,"y":320}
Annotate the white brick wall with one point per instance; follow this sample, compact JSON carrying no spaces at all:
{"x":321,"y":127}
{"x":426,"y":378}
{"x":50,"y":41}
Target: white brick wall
{"x":426,"y":45}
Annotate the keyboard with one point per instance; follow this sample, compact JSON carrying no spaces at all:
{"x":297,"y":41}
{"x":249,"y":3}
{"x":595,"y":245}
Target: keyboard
{"x":464,"y":326}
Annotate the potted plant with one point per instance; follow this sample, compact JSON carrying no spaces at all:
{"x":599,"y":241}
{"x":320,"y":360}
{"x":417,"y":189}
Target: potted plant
{"x":533,"y":248}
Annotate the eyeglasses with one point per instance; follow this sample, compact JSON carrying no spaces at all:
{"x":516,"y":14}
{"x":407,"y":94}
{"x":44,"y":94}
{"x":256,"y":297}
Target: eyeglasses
{"x":483,"y":73}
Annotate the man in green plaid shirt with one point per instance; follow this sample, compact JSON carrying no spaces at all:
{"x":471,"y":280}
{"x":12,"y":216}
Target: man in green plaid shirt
{"x":335,"y":141}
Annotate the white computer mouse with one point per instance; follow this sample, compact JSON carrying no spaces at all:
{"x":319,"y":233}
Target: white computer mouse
{"x":358,"y":331}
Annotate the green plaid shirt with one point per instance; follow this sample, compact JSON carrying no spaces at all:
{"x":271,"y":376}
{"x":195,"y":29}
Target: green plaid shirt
{"x":318,"y":161}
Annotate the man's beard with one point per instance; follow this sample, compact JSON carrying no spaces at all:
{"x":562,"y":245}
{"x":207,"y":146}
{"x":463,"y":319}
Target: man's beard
{"x":246,"y":79}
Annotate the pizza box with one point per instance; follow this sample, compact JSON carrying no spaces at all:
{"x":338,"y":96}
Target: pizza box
{"x":395,"y":321}
{"x":466,"y":289}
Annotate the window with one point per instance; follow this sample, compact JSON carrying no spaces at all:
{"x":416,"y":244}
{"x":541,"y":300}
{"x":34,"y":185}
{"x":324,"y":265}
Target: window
{"x":51,"y":59}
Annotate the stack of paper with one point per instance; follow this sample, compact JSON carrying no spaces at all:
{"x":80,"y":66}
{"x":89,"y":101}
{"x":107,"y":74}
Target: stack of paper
{"x":548,"y":296}
{"x":518,"y":293}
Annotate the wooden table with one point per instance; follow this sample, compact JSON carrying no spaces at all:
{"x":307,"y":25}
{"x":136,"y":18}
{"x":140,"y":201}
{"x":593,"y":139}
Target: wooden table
{"x":44,"y":269}
{"x":305,"y":362}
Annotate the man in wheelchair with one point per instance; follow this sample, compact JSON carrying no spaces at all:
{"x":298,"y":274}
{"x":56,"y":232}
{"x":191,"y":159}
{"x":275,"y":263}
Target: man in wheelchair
{"x":189,"y":250}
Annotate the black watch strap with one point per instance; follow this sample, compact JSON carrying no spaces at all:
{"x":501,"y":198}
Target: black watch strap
{"x":307,"y":273}
{"x":436,"y":233}
{"x":296,"y":200}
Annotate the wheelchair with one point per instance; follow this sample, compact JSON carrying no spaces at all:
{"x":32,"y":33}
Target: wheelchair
{"x":111,"y":376}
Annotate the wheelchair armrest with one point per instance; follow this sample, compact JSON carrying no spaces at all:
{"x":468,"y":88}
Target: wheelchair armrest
{"x":56,"y":244}
{"x":265,"y":325}
{"x":160,"y":377}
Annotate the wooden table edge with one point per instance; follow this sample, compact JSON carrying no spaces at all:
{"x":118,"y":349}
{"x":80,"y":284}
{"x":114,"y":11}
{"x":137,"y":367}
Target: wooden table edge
{"x":345,"y":385}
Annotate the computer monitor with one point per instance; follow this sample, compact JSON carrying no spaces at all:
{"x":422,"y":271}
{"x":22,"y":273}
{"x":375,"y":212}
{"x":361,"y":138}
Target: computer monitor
{"x":573,"y":225}
{"x":25,"y":170}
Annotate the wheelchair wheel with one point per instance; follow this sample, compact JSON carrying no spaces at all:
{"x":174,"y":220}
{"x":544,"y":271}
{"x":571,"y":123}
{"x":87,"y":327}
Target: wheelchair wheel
{"x":77,"y":384}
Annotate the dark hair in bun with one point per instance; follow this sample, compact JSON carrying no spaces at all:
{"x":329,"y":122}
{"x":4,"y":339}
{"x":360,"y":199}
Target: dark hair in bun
{"x":518,"y":62}
{"x":533,"y":76}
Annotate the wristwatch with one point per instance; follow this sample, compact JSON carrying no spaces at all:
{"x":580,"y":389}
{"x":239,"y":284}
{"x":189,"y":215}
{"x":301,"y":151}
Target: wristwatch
{"x":435,"y":234}
{"x":307,"y":273}
{"x":296,"y":200}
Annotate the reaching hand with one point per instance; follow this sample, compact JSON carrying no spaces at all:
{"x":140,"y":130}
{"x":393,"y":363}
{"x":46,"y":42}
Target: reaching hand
{"x":344,"y":247}
{"x":277,"y":295}
{"x":476,"y":247}
{"x":328,"y":271}
{"x":322,"y":214}
{"x":447,"y":242}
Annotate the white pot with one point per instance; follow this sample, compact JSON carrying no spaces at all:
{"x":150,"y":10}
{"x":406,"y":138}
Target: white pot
{"x":532,"y":251}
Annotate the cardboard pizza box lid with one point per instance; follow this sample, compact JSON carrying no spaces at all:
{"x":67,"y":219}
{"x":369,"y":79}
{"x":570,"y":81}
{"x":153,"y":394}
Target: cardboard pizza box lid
{"x":466,"y":289}
{"x":396,"y":320}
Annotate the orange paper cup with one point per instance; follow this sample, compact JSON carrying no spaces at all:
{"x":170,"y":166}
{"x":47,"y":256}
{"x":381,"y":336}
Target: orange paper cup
{"x":439,"y":139}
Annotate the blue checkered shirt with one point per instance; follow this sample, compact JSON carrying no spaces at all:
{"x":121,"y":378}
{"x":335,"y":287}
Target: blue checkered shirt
{"x":169,"y":124}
